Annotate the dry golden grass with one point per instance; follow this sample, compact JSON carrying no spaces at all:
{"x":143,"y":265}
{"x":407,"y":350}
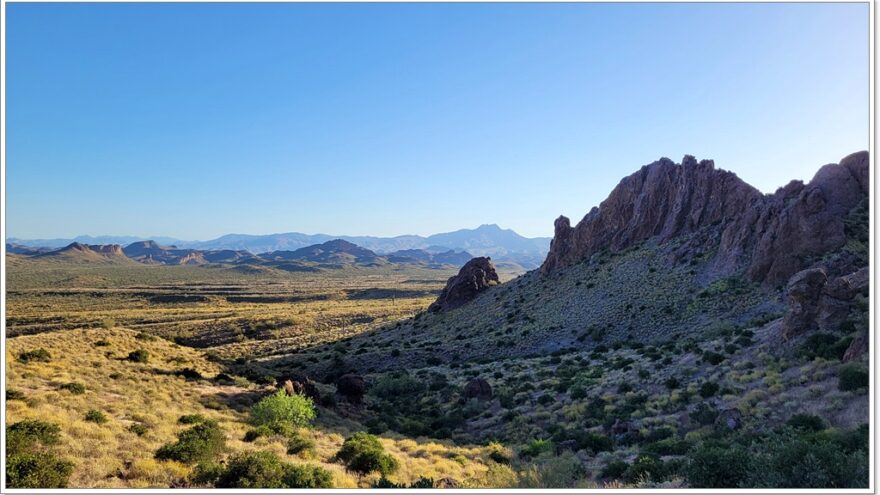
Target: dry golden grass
{"x":110,"y":456}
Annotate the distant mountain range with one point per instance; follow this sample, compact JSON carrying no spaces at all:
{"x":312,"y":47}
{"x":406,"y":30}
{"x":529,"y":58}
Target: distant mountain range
{"x":485,"y":240}
{"x":334,"y":254}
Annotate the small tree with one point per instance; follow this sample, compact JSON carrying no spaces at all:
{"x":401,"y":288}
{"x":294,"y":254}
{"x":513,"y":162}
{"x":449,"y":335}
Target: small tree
{"x":280,"y":411}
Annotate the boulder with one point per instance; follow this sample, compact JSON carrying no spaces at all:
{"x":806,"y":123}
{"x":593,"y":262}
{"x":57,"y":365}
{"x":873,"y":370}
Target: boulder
{"x":302,"y":386}
{"x":478,"y":388}
{"x":803,"y":292}
{"x":352,"y":388}
{"x":447,"y":482}
{"x":475,"y":276}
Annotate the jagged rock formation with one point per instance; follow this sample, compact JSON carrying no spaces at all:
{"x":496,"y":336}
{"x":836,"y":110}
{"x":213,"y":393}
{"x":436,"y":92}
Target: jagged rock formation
{"x":818,"y":302}
{"x":769,"y":237}
{"x":475,"y":276}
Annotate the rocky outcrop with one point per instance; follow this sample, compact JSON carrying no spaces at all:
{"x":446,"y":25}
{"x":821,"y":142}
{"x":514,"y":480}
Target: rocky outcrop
{"x":352,"y":388}
{"x":301,"y":386}
{"x":857,"y":348}
{"x":819,"y":302}
{"x":476,"y":275}
{"x":478,"y":388}
{"x":767,"y":236}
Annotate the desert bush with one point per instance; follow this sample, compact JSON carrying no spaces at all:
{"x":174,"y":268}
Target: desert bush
{"x":96,"y":416}
{"x":704,"y":414}
{"x":852,"y":377}
{"x":206,"y":473}
{"x":202,"y":442}
{"x":713,"y":358}
{"x":266,"y":470}
{"x":499,"y":453}
{"x":647,"y":467}
{"x":74,"y":388}
{"x":28,"y":434}
{"x":37,"y":470}
{"x":398,"y":387}
{"x":280,"y":410}
{"x":795,"y":461}
{"x":806,"y":422}
{"x":301,"y":445}
{"x":385,"y":483}
{"x":824,"y":345}
{"x":717,"y":465}
{"x":255,"y":433}
{"x":614,"y":470}
{"x":668,"y":446}
{"x":536,"y":448}
{"x":362,"y":453}
{"x":709,"y":389}
{"x":138,"y":356}
{"x":138,"y":429}
{"x":191,"y":419}
{"x":40,"y":354}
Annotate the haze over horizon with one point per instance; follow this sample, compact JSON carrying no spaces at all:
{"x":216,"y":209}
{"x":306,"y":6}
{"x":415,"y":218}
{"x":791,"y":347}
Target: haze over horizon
{"x":193,"y":121}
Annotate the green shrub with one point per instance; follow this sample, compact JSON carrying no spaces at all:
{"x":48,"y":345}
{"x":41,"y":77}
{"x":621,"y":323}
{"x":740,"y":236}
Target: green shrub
{"x":266,"y":470}
{"x":299,"y":444}
{"x":709,"y":389}
{"x":852,"y":377}
{"x":101,"y":343}
{"x":704,"y":414}
{"x":362,"y":453}
{"x":138,"y":429}
{"x":647,"y":468}
{"x":74,"y":388}
{"x":280,"y":409}
{"x":668,"y":446}
{"x":35,"y":355}
{"x":790,"y":461}
{"x":806,"y":422}
{"x":138,"y":356}
{"x":96,"y":416}
{"x":614,"y":470}
{"x":713,"y":358}
{"x":25,"y":435}
{"x":715,"y":465}
{"x":206,"y":473}
{"x":202,"y":442}
{"x":820,"y":345}
{"x":191,"y":419}
{"x":536,"y":448}
{"x":393,"y":387}
{"x":37,"y":470}
{"x":672,"y":383}
{"x":255,"y":433}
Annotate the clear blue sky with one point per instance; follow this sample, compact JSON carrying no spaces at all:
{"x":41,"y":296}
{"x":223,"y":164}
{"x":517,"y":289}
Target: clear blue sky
{"x":195,"y":120}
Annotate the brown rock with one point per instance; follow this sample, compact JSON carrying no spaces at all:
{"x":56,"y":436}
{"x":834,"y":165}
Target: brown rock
{"x":769,"y":236}
{"x":478,"y":388}
{"x":803,"y":292}
{"x":476,"y":275}
{"x":447,"y":482}
{"x":352,"y":388}
{"x":857,"y":348}
{"x":302,"y":386}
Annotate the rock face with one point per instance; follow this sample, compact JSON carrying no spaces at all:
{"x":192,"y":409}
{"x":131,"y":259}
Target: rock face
{"x":767,"y":236}
{"x":475,"y":276}
{"x":352,"y":388}
{"x":857,"y":348}
{"x":819,"y":302}
{"x":478,"y":388}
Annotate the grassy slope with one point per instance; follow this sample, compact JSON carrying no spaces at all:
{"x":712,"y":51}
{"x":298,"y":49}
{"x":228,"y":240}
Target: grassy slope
{"x":109,"y":455}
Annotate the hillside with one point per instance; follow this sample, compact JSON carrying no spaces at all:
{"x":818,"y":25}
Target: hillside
{"x":685,"y":297}
{"x":76,"y":253}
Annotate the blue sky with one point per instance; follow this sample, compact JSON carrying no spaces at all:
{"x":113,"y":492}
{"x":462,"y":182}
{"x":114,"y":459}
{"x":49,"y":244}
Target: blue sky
{"x":195,"y":120}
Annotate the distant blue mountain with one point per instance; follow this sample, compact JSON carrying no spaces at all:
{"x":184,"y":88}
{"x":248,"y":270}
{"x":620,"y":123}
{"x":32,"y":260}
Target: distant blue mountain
{"x":485,"y":240}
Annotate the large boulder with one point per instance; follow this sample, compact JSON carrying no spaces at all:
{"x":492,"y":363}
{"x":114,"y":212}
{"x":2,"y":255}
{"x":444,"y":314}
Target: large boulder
{"x":857,"y":348}
{"x":475,"y":276}
{"x":352,"y":388}
{"x":478,"y":388}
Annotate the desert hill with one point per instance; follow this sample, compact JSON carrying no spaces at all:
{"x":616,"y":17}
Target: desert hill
{"x":77,"y":253}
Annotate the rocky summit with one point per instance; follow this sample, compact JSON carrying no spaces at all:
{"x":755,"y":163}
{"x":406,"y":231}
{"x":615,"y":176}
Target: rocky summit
{"x":770,"y":237}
